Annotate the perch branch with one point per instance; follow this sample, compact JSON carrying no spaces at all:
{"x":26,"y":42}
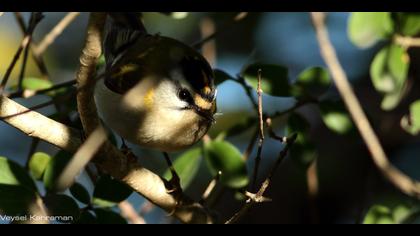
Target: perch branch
{"x":112,"y":160}
{"x":395,"y":176}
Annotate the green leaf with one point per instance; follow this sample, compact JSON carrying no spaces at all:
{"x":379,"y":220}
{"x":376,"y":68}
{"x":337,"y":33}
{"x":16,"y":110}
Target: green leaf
{"x":336,"y":117}
{"x":86,"y":218}
{"x":223,"y":156}
{"x":392,"y":209}
{"x":62,"y":205}
{"x":15,"y":199}
{"x":379,"y":214}
{"x":179,"y":15}
{"x":221,"y":76}
{"x":312,"y":82}
{"x":32,"y":83}
{"x":367,"y":28}
{"x":108,"y":192}
{"x":302,"y":152}
{"x":409,"y":23}
{"x":101,"y":62}
{"x":13,"y":174}
{"x":388,"y":72}
{"x":186,"y":166}
{"x":411,"y":122}
{"x":80,"y":193}
{"x":38,"y":163}
{"x":54,"y":169}
{"x":105,"y":216}
{"x":389,"y":69}
{"x":391,"y":100}
{"x":274,"y":79}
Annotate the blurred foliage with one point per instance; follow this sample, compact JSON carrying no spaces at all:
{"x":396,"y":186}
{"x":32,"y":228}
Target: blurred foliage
{"x":393,"y":209}
{"x":389,"y":74}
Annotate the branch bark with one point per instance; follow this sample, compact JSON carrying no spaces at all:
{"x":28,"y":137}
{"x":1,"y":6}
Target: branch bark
{"x":109,"y":159}
{"x":395,"y":176}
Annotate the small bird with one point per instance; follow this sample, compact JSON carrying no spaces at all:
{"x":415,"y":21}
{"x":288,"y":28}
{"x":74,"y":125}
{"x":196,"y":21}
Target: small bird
{"x":157,"y":92}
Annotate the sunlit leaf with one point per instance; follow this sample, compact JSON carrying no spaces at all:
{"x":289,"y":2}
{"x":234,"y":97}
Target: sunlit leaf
{"x":38,"y":163}
{"x":379,"y":214}
{"x":54,"y":169}
{"x":62,"y":205}
{"x":105,"y":216}
{"x":179,"y":15}
{"x":312,"y":82}
{"x":108,"y":192}
{"x":223,"y":156}
{"x":392,"y":209}
{"x":411,"y":122}
{"x":80,"y":193}
{"x":388,"y":72}
{"x":186,"y":166}
{"x":274,"y":79}
{"x":13,"y":174}
{"x":389,"y":69}
{"x":336,"y":117}
{"x":33,"y":83}
{"x":391,"y":100}
{"x":367,"y":28}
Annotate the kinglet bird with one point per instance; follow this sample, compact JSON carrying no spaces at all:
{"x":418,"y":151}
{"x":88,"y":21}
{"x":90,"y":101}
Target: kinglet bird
{"x":157,"y":92}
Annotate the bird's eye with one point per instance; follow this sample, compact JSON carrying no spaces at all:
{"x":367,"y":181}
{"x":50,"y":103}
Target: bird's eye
{"x":184,"y":95}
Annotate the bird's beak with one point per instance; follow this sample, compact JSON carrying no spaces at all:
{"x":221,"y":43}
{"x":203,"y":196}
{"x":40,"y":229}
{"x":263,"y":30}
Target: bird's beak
{"x":206,"y":114}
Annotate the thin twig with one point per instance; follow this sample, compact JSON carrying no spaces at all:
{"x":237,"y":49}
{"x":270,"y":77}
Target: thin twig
{"x":38,"y":106}
{"x":30,"y":109}
{"x":259,"y":196}
{"x":271,"y":132}
{"x":81,"y":158}
{"x":37,"y":58}
{"x":395,"y":176}
{"x":33,"y":21}
{"x":248,"y":90}
{"x":55,"y":32}
{"x":128,"y":211}
{"x":210,"y":187}
{"x":261,"y":131}
{"x":406,"y":41}
{"x":207,"y":27}
{"x":18,"y":94}
{"x":23,"y":44}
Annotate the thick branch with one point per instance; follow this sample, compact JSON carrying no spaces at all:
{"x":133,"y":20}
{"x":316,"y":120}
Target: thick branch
{"x":399,"y":179}
{"x":111,"y":160}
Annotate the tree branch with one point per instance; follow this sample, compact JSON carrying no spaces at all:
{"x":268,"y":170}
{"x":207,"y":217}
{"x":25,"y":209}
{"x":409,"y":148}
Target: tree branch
{"x":406,"y":41}
{"x":395,"y":176}
{"x":55,"y":32}
{"x":111,"y":159}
